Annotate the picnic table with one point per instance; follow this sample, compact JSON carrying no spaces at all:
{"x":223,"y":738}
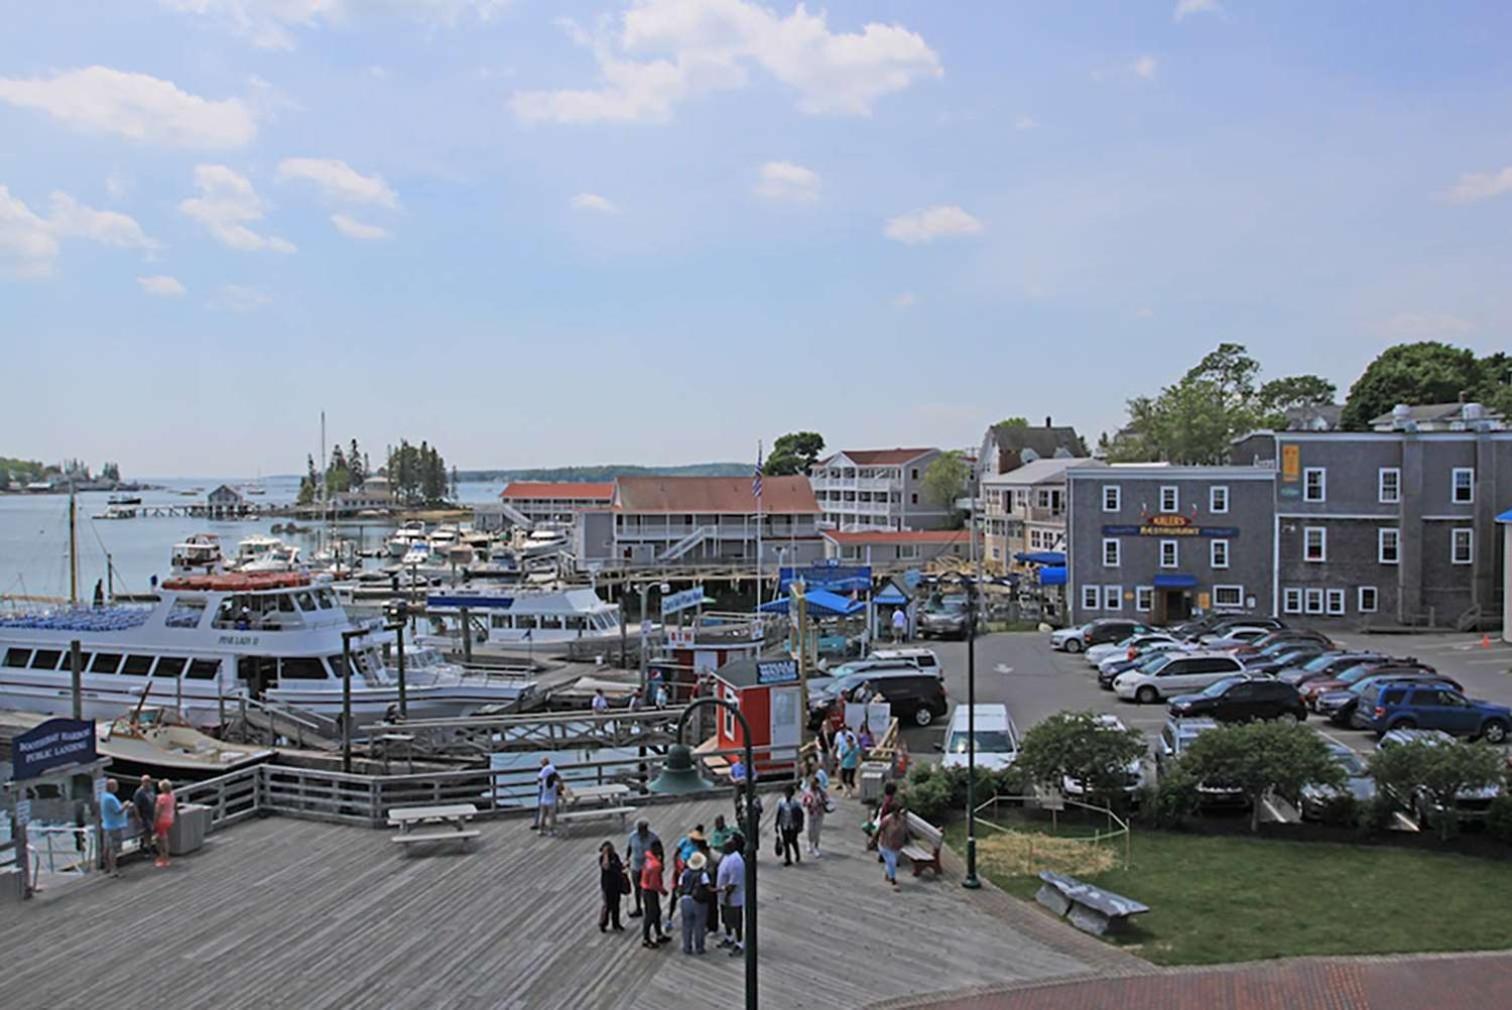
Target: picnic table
{"x":589,"y":803}
{"x":447,"y":823}
{"x":608,"y":793}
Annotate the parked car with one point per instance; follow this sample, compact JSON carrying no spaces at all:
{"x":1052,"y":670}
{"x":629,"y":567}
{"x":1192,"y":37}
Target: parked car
{"x":1209,"y":621}
{"x":919,"y":698}
{"x":997,"y":739}
{"x":1469,"y":804}
{"x":1175,"y":737}
{"x":1314,"y":689}
{"x":1134,"y":776}
{"x":1327,"y":664}
{"x":1175,"y":673}
{"x":1390,"y":706}
{"x":1315,"y":798}
{"x":1111,"y":667}
{"x":945,"y":617}
{"x":1282,"y":636}
{"x":1104,"y":629}
{"x":924,"y":659}
{"x":1224,"y":622}
{"x":1242,"y":698}
{"x":1128,"y":648}
{"x":1279,"y":657}
{"x":1232,"y":638}
{"x":825,"y":691}
{"x":1339,"y":707}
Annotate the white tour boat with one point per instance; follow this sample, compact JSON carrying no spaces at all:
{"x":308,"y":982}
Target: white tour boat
{"x":213,"y":638}
{"x":525,"y":621}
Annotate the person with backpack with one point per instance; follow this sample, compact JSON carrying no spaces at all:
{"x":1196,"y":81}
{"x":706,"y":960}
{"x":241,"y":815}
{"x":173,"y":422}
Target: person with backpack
{"x":789,"y":826}
{"x":694,"y":887}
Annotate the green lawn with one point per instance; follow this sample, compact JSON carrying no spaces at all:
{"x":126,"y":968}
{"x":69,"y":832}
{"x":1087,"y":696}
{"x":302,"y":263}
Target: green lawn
{"x":1219,"y":899}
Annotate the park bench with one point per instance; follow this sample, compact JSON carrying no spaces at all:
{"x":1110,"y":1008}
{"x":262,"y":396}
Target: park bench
{"x":923,"y":845}
{"x":568,"y":818}
{"x":1090,"y":909}
{"x":449,"y":820}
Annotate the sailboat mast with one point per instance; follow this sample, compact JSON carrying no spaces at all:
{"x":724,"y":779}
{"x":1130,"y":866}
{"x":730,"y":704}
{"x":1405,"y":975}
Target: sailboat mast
{"x":73,"y":546}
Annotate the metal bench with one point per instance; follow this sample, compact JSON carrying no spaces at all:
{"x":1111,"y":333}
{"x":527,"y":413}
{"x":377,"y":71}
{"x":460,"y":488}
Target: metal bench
{"x":1090,"y":909}
{"x":923,"y":845}
{"x":570,"y":817}
{"x":454,"y":815}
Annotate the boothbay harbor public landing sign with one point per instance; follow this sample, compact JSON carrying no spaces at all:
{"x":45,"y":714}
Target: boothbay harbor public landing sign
{"x":1171,"y":525}
{"x":55,"y":743}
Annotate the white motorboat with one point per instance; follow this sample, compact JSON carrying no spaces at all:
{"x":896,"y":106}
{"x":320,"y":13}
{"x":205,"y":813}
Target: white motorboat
{"x":542,"y":543}
{"x":261,"y":553}
{"x":404,"y":537}
{"x":213,"y":638}
{"x":116,"y":512}
{"x":155,"y":739}
{"x":539,"y":622}
{"x":200,"y":554}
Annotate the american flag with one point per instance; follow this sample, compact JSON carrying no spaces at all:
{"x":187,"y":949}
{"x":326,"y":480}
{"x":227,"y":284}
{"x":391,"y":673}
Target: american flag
{"x":756,"y":476}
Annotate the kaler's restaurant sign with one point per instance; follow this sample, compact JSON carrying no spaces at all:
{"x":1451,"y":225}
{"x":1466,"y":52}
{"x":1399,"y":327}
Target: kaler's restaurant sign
{"x":1171,"y":524}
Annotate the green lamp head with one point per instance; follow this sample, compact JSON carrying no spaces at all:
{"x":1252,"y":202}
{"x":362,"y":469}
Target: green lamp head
{"x":679,"y":776}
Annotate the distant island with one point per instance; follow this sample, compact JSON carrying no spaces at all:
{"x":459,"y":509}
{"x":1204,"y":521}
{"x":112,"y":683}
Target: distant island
{"x":606,"y":472}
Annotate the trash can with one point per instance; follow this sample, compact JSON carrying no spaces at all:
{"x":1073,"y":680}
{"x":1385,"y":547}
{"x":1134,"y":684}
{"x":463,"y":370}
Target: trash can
{"x":190,"y":825}
{"x":874,"y":776}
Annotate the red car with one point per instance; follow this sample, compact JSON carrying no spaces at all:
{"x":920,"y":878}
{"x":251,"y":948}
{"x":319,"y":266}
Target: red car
{"x":1312,"y":690}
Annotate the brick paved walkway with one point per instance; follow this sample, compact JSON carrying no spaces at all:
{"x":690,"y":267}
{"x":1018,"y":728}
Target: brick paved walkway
{"x":1445,"y":982}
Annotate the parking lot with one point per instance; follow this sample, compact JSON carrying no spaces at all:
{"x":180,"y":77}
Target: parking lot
{"x":1020,"y":670}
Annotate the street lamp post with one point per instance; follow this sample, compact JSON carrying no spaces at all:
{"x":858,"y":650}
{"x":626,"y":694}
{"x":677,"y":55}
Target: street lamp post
{"x":397,"y":627}
{"x":346,"y":696}
{"x":971,"y":880}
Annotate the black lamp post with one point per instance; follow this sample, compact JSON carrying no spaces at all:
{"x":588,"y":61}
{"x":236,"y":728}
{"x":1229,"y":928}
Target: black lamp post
{"x":971,"y":880}
{"x":680,"y":777}
{"x":346,"y":695}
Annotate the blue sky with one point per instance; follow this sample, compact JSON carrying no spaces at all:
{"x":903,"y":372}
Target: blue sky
{"x":540,"y":233}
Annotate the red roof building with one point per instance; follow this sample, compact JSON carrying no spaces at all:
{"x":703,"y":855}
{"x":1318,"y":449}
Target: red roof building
{"x":528,"y":501}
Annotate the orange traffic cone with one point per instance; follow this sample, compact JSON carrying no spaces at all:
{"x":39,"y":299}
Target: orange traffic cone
{"x":1485,"y":641}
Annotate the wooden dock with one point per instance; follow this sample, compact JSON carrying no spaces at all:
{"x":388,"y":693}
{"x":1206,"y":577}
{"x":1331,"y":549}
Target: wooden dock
{"x":283,"y":913}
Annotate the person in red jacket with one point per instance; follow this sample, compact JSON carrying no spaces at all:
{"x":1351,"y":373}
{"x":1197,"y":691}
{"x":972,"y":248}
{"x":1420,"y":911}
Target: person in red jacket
{"x":652,"y":888}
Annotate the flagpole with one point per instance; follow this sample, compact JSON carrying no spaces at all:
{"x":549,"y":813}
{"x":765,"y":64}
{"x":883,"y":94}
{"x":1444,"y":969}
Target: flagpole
{"x":759,"y":588}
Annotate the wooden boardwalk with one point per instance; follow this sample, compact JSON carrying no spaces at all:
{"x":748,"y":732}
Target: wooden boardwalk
{"x":281,"y":913}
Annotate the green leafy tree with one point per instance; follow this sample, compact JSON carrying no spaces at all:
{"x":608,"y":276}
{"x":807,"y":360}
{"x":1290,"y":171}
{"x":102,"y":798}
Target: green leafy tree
{"x":1076,"y":745}
{"x":945,"y":479}
{"x":793,"y":453}
{"x":1438,"y":770}
{"x":1495,"y":388}
{"x":1013,"y":422}
{"x":1263,"y":757}
{"x":309,"y":484}
{"x":111,"y":471}
{"x":356,"y":467}
{"x":1414,"y":374}
{"x":1278,"y":396}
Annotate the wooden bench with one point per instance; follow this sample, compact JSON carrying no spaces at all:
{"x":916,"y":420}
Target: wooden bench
{"x":1091,"y":909}
{"x":451,"y":834}
{"x":570,"y":817}
{"x":923,"y":845}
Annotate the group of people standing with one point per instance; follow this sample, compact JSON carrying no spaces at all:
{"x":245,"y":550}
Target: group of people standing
{"x":705,"y":885}
{"x":152,"y":806}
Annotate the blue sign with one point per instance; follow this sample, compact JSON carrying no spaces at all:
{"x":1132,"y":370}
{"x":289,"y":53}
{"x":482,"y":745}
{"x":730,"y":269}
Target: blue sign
{"x":674,"y":602}
{"x":778,"y":671}
{"x":55,"y":743}
{"x":836,"y":578}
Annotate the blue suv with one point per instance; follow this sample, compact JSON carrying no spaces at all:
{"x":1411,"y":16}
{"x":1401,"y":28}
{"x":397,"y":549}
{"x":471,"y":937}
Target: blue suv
{"x":1389,"y":705}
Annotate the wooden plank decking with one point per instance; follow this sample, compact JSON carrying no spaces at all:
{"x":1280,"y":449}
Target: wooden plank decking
{"x":281,"y":913}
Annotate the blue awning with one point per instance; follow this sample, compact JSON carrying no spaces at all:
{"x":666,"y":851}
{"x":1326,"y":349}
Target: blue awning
{"x":1175,"y":580}
{"x":892,"y":596}
{"x":1052,"y":575}
{"x":1505,"y":517}
{"x":820,"y":604}
{"x":1041,"y":557}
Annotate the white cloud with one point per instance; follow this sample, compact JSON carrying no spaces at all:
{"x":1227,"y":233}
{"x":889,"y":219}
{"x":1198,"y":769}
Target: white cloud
{"x":1409,"y":326}
{"x":227,"y":202}
{"x":594,"y":202}
{"x":905,"y":300}
{"x":352,"y":228}
{"x":1479,"y":186}
{"x":1025,"y":123}
{"x":785,"y":181}
{"x":137,"y":106}
{"x":338,"y":181}
{"x":270,"y":24}
{"x":1145,"y":67}
{"x":71,"y":219}
{"x":941,"y":221}
{"x":30,"y":243}
{"x":240,"y":298}
{"x":667,"y":51}
{"x":162,"y":286}
{"x":1186,"y":8}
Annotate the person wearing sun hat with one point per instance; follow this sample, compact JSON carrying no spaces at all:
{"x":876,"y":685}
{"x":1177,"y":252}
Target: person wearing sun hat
{"x":694,"y":887}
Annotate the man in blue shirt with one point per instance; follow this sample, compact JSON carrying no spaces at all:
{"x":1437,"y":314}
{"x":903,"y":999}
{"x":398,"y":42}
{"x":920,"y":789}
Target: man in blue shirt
{"x":113,"y":820}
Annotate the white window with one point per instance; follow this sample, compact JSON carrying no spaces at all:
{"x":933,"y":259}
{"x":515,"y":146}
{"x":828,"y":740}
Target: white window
{"x":1336,"y":601}
{"x":1389,"y":485}
{"x":1388,"y":545}
{"x":1170,"y":554}
{"x":1228,"y":596}
{"x":908,"y":552}
{"x":1091,"y":597}
{"x":1315,"y":483}
{"x":1462,"y":485}
{"x":1315,"y":601}
{"x":1112,"y":498}
{"x":1218,"y":553}
{"x":1110,"y":553}
{"x":1218,"y":498}
{"x":1170,"y":499}
{"x":1462,"y":546}
{"x":1314,"y":544}
{"x":1365,"y":599}
{"x":1112,"y":597}
{"x":1143,"y":597}
{"x":1291,"y":600}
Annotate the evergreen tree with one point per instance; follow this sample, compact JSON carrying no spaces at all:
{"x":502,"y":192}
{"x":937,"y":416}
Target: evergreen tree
{"x":356,"y":467}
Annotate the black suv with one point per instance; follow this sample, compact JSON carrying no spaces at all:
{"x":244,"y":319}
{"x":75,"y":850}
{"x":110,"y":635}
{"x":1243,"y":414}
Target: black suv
{"x":918,"y":698}
{"x":1240,"y":699}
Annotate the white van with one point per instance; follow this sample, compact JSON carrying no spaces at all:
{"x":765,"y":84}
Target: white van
{"x":924,"y":659}
{"x":997,"y":740}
